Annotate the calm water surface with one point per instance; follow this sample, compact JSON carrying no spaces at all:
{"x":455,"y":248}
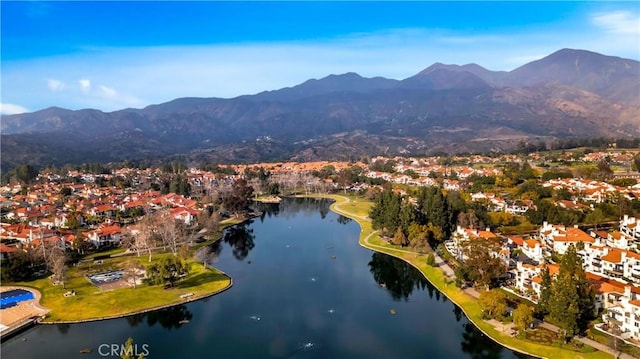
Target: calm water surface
{"x":303,"y":288}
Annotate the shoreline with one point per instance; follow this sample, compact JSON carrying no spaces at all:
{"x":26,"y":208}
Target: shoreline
{"x":364,"y":242}
{"x":43,"y":319}
{"x":146,"y":310}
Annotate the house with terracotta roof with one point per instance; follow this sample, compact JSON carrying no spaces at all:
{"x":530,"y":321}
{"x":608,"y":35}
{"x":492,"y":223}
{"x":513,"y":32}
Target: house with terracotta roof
{"x":631,"y":228}
{"x":533,"y":249}
{"x":559,"y":237}
{"x":186,"y":215}
{"x":623,"y":312}
{"x":527,"y":278}
{"x":7,"y":251}
{"x":105,"y":235}
{"x":611,"y":262}
{"x":462,"y":235}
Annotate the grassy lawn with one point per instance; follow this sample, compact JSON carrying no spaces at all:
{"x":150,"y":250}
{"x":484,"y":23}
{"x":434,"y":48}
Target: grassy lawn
{"x":467,"y":303}
{"x":91,"y":303}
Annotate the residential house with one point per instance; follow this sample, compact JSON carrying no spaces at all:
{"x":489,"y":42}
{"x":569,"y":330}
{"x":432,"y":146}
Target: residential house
{"x":559,"y":237}
{"x":105,"y":235}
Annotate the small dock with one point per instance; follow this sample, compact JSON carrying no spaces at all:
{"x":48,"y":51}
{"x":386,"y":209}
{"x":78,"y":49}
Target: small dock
{"x":9,"y":332}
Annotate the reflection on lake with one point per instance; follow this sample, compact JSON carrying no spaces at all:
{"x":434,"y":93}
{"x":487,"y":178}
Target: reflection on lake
{"x":303,"y":288}
{"x":398,"y":277}
{"x":168,"y":318}
{"x":241,"y":239}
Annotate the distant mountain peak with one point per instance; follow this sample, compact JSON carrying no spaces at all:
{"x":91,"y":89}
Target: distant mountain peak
{"x":573,"y":93}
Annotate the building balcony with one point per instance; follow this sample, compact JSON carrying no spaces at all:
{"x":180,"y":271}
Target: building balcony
{"x":613,"y":272}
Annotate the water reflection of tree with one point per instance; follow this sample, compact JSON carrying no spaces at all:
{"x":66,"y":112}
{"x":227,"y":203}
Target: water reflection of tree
{"x":168,"y":318}
{"x":241,"y":239}
{"x":398,"y":277}
{"x":343,"y":220}
{"x":268,"y":210}
{"x":290,"y":207}
{"x":63,"y":328}
{"x":216,"y":249}
{"x":457,"y":312}
{"x":477,"y":345}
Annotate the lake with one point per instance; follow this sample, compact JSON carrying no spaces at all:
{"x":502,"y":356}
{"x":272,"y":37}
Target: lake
{"x":303,"y":288}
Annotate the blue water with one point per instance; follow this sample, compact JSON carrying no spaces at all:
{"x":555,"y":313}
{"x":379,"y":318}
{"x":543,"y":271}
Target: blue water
{"x":303,"y":288}
{"x":11,"y":298}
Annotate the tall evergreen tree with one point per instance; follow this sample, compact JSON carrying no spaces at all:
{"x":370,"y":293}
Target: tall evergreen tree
{"x":572,"y":298}
{"x":545,"y":292}
{"x":385,"y":213}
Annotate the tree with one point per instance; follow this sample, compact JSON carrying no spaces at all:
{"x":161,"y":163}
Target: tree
{"x":238,"y":199}
{"x":385,"y":213}
{"x":132,"y":351}
{"x":523,"y":316}
{"x":545,"y":292}
{"x":66,"y":191}
{"x":572,"y":299}
{"x":57,"y":264}
{"x":399,"y":238}
{"x":23,"y":174}
{"x":17,"y":268}
{"x":131,"y":269}
{"x":431,"y":260}
{"x":80,"y":244}
{"x":595,"y":217}
{"x":167,"y":271}
{"x":636,"y":162}
{"x":169,"y":232}
{"x":206,"y":255}
{"x":485,"y":268}
{"x":604,"y":170}
{"x":563,"y":305}
{"x":209,"y":221}
{"x":493,"y":303}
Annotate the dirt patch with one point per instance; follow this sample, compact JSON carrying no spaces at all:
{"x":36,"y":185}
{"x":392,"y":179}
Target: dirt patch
{"x":114,"y":285}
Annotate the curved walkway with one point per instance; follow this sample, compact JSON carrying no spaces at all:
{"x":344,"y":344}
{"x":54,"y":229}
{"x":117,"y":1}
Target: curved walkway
{"x":448,"y":271}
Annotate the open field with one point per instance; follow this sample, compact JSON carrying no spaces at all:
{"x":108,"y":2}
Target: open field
{"x":91,"y":303}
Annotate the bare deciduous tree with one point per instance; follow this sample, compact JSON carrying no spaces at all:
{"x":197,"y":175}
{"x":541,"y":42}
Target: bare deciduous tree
{"x":132,"y":269}
{"x":57,"y":264}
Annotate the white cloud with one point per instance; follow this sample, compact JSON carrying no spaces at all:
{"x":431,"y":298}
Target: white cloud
{"x":115,"y":97}
{"x":618,"y":22}
{"x":55,"y":85}
{"x":108,"y":91}
{"x":85,"y":85}
{"x":11,"y":109}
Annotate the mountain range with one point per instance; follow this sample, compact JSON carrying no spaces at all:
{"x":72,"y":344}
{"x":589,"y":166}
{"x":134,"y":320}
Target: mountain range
{"x":450,"y":108}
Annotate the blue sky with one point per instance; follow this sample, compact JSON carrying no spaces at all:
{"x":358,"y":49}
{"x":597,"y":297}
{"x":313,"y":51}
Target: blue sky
{"x":113,"y":55}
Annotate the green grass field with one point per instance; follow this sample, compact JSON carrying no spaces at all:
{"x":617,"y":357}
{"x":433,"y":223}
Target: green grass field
{"x":90,"y":303}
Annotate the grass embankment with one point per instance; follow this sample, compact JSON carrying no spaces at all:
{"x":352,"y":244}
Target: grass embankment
{"x":358,"y":208}
{"x":90,"y":303}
